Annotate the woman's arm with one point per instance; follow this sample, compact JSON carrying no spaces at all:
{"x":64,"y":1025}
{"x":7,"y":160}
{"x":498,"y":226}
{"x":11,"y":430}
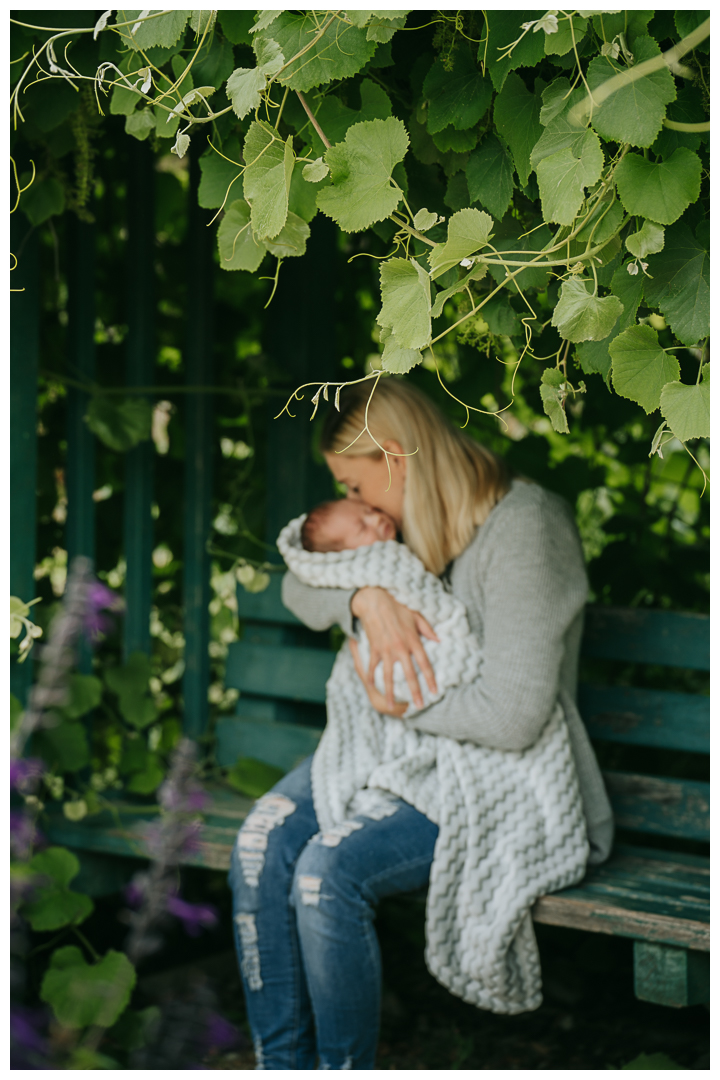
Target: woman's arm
{"x":318,"y":608}
{"x":531,"y":577}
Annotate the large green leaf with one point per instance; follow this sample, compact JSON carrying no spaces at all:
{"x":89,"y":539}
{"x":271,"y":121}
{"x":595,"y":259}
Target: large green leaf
{"x":338,"y":54}
{"x":266,"y":181}
{"x":659,"y":190}
{"x":640,"y":367}
{"x":648,"y":240}
{"x":475,"y":274}
{"x":633,"y":114}
{"x":139,"y":124}
{"x":489,"y":175}
{"x":85,"y":694}
{"x":302,"y":199}
{"x":164,"y":30}
{"x":395,"y":358}
{"x":687,"y":109}
{"x":680,"y":283}
{"x":120,"y":423}
{"x":292,"y":238}
{"x":82,"y":994}
{"x":460,"y":142}
{"x":405,"y":311}
{"x":517,"y":118}
{"x":130,"y":681}
{"x":583,"y":316}
{"x":560,"y":133}
{"x":245,"y":85}
{"x":148,"y":779}
{"x":594,"y":356}
{"x":468,"y":232}
{"x":563,"y":177}
{"x":51,"y":904}
{"x":45,"y":199}
{"x":459,"y":97}
{"x":505,"y":27}
{"x":64,"y":746}
{"x":239,"y":250}
{"x":561,"y":42}
{"x":362,"y":191}
{"x":553,"y":392}
{"x":687,"y":408}
{"x":220,"y":179}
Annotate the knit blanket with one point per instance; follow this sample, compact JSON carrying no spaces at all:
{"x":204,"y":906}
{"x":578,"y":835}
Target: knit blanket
{"x":510,"y":823}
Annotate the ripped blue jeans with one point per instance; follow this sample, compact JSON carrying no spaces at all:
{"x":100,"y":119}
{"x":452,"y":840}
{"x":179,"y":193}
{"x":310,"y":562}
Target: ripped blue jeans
{"x":304,"y":922}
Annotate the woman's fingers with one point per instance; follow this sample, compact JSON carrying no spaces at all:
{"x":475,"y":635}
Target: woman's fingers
{"x":426,"y":668}
{"x":377,"y":700}
{"x":388,"y":681}
{"x":412,"y":680}
{"x":423,"y":627}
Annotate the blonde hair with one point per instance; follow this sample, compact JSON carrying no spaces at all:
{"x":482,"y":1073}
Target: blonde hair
{"x":451,"y":484}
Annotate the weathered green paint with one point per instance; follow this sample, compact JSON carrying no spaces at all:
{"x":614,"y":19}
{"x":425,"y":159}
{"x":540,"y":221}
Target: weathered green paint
{"x":660,"y":805}
{"x":643,"y":636}
{"x":283,"y":745}
{"x":666,"y":975}
{"x":198,"y":466}
{"x":80,"y":469}
{"x":266,"y":606}
{"x":298,"y":674}
{"x":626,"y":714}
{"x":139,"y":368}
{"x":24,"y":350}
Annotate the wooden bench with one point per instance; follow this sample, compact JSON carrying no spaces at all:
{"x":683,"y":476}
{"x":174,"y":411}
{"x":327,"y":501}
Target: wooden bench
{"x":657,"y":896}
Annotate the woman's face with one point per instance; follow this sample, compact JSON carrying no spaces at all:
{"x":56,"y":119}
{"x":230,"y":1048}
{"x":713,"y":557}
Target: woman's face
{"x":366,"y":478}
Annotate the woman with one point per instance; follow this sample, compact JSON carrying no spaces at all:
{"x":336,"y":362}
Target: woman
{"x":510,"y":551}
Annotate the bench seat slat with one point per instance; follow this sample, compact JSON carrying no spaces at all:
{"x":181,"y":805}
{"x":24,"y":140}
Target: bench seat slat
{"x":639,"y":717}
{"x":266,"y":606}
{"x":666,"y":807}
{"x":583,"y":913}
{"x":637,"y":635}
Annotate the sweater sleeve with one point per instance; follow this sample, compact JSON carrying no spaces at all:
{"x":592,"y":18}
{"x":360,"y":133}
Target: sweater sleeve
{"x":318,"y":608}
{"x":532,"y":581}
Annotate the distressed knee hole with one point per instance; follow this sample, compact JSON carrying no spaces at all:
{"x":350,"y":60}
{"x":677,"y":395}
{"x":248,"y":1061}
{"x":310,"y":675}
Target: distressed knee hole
{"x":259,"y":1054}
{"x":333,"y":836}
{"x":250,"y":964}
{"x":268,"y":812}
{"x":309,"y":887}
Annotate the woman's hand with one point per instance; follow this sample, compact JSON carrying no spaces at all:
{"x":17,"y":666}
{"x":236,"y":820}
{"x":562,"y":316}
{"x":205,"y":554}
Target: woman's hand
{"x":393,"y":632}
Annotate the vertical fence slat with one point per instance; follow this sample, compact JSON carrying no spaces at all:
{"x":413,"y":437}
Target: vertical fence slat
{"x":139,"y":368}
{"x":24,"y":349}
{"x":80,"y":470}
{"x":300,"y":340}
{"x":198,"y":465}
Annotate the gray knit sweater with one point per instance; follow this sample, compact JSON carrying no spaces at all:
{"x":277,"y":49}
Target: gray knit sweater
{"x":522,"y":580}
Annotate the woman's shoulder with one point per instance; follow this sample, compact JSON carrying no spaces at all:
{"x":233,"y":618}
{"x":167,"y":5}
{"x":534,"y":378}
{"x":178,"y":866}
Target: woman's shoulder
{"x":524,"y":512}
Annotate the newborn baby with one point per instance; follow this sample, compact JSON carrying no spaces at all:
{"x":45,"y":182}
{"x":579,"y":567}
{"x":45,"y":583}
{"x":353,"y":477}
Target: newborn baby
{"x":344,"y":524}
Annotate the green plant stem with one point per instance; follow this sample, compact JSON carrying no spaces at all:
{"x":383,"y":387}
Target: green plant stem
{"x":90,"y":948}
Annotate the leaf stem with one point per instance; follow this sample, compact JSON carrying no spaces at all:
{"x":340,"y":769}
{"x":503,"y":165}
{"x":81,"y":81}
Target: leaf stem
{"x":312,"y":119}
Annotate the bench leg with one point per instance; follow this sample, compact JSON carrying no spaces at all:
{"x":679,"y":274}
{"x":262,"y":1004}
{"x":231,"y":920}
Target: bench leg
{"x":666,"y":975}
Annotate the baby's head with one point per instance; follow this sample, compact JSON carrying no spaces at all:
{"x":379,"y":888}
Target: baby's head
{"x":345,"y":523}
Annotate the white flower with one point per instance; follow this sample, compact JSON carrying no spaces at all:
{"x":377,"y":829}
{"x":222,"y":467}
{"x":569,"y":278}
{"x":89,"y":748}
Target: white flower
{"x":467,"y":263}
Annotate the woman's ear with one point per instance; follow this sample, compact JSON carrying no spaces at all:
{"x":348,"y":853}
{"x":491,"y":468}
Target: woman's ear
{"x":398,"y":463}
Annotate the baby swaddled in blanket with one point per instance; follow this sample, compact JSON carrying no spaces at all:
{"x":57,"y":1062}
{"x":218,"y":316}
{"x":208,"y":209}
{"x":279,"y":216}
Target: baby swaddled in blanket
{"x":511,"y":826}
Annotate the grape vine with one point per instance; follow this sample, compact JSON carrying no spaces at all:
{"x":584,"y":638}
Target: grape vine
{"x":572,"y":149}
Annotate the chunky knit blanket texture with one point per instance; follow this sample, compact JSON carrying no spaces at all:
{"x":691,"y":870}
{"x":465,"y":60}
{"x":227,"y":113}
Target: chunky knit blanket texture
{"x":510,"y":823}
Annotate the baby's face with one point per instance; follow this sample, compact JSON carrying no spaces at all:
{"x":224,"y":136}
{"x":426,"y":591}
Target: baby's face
{"x":352,"y":524}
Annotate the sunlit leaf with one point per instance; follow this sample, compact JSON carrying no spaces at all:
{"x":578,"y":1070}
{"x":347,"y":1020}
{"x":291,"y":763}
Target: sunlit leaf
{"x":687,"y":408}
{"x":362,"y":191}
{"x":634,"y":113}
{"x":640,"y":367}
{"x":405,"y":311}
{"x":269,"y":164}
{"x":239,"y":250}
{"x":583,"y":316}
{"x":468,"y":232}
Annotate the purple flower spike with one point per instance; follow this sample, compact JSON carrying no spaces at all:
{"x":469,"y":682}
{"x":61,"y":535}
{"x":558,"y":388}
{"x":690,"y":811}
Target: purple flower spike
{"x":134,"y":891}
{"x":194,"y":917}
{"x":23,"y":771}
{"x":23,"y":834}
{"x":99,"y":597}
{"x":221,"y":1034}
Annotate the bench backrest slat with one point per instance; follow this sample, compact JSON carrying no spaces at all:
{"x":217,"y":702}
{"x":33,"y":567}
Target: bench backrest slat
{"x":666,"y":807}
{"x":626,"y":714}
{"x":669,"y":638}
{"x":275,"y":668}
